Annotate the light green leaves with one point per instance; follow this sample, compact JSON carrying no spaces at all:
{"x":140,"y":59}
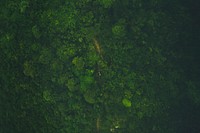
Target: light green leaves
{"x":87,"y":19}
{"x":56,"y":66}
{"x":78,"y":62}
{"x":86,"y":82}
{"x":47,"y":96}
{"x":28,"y":69}
{"x":128,"y":94}
{"x":106,"y":3}
{"x":62,"y":79}
{"x":65,"y":18}
{"x":45,"y":56}
{"x":65,"y":52}
{"x":71,"y":84}
{"x":36,"y":32}
{"x":193,"y":92}
{"x":118,"y":29}
{"x":89,"y":96}
{"x":23,"y":5}
{"x":126,"y":102}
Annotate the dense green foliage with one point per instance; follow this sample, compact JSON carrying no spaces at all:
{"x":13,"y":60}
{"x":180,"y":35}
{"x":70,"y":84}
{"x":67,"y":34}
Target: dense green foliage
{"x":86,"y":66}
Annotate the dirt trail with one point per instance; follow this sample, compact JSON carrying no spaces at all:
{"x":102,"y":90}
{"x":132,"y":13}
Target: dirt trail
{"x":98,"y":124}
{"x":97,"y":46}
{"x":99,"y":51}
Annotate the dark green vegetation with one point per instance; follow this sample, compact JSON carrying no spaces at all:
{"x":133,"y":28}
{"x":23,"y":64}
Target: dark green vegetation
{"x":86,"y":66}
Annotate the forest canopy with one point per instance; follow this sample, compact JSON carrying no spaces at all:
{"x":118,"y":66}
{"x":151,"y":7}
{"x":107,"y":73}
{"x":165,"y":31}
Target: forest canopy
{"x":86,"y":66}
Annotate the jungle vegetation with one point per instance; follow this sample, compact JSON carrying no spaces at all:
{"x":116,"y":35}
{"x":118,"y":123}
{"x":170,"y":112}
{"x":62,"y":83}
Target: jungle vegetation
{"x":99,"y":66}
